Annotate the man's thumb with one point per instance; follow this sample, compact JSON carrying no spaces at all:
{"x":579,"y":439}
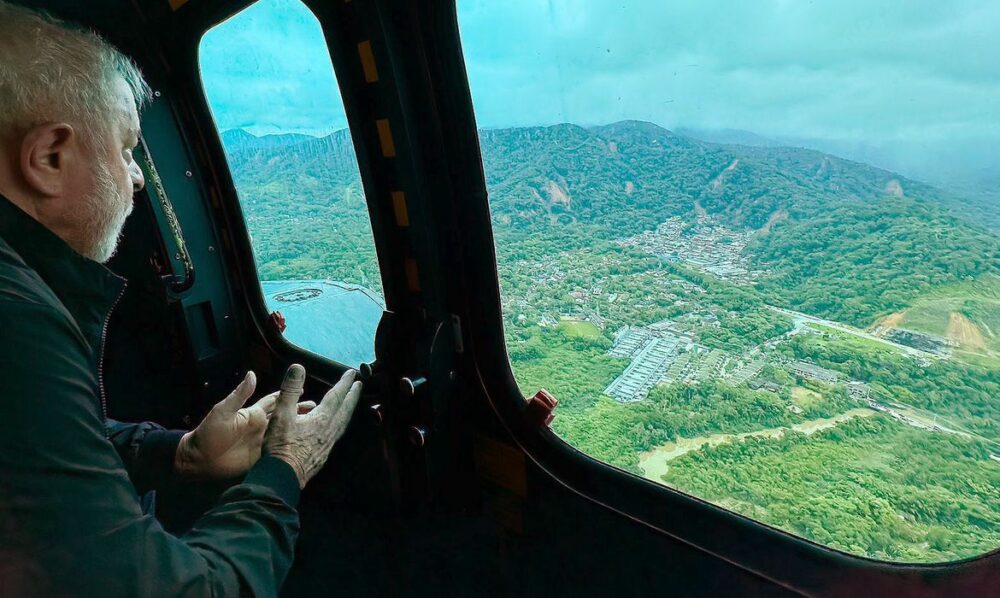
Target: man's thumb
{"x":240,"y":394}
{"x":291,"y":390}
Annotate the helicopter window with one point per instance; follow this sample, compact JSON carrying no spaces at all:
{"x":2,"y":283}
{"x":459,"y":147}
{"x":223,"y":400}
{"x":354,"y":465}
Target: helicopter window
{"x":752,"y":249}
{"x":270,"y":83}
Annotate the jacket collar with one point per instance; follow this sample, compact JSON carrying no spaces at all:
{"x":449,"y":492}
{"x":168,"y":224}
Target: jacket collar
{"x":88,"y":290}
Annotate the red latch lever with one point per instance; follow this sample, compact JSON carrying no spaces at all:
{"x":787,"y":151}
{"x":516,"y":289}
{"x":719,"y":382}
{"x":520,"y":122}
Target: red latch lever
{"x":539,"y":410}
{"x":278,"y":321}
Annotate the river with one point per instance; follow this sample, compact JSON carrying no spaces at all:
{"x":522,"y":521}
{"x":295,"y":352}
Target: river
{"x":654,"y":463}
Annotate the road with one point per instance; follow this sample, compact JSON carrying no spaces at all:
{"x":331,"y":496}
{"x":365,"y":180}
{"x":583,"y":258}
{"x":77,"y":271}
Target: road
{"x":800,"y":320}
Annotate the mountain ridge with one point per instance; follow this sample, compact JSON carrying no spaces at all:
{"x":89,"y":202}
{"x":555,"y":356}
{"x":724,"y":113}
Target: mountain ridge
{"x":563,"y":139}
{"x":827,"y":231}
{"x":567,"y":173}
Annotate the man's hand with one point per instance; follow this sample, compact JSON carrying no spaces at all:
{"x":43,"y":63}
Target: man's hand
{"x":305,"y":441}
{"x":227,"y":443}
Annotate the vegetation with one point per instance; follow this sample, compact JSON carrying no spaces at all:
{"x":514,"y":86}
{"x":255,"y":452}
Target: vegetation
{"x":858,"y":262}
{"x":869,"y":486}
{"x":304,"y":207}
{"x":617,"y":433}
{"x":881,"y":449}
{"x":966,"y":393}
{"x":975,"y":304}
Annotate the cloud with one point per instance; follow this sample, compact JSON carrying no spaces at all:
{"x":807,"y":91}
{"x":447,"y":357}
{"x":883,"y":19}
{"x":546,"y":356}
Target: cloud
{"x":914,"y":83}
{"x":771,"y":65}
{"x":904,"y":75}
{"x":267,"y":69}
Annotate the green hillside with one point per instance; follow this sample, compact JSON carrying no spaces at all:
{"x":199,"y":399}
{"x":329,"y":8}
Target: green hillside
{"x":714,"y":262}
{"x":856,"y":263}
{"x":839,"y":239}
{"x":304,"y":206}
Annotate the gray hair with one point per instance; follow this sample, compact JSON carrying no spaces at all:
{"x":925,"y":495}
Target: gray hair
{"x":51,"y":71}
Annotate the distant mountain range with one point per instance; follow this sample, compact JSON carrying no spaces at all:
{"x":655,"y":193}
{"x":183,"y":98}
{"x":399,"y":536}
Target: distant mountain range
{"x":626,"y":170}
{"x":967,"y":171}
{"x":634,"y":174}
{"x":840,"y":238}
{"x":730,"y":137}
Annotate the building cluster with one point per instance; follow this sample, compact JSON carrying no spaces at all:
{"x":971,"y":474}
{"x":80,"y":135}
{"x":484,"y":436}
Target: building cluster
{"x":667,"y":352}
{"x":859,"y":391}
{"x":699,"y":364}
{"x":810,"y":371}
{"x":747,"y":370}
{"x":664,"y":352}
{"x":711,"y":247}
{"x":654,"y":354}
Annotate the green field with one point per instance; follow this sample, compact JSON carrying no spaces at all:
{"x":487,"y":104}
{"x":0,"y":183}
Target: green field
{"x":579,"y":329}
{"x":804,"y":397}
{"x":856,"y":341}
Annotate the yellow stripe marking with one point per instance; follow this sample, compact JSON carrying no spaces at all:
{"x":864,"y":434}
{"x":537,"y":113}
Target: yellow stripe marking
{"x":412,"y":275}
{"x":368,"y":61}
{"x":175,"y":4}
{"x":399,"y":207}
{"x":385,"y":138}
{"x":501,"y":464}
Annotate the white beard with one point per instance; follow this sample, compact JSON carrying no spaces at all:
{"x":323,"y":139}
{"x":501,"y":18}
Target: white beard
{"x":105,"y":217}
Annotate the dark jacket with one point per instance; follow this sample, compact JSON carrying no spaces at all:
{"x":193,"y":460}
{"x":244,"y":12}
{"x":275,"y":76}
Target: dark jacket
{"x":70,"y":519}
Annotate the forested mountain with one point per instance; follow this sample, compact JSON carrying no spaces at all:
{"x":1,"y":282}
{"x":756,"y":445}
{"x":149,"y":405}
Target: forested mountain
{"x":319,"y":163}
{"x":837,"y":238}
{"x":736,"y":272}
{"x":636,"y":173}
{"x":633,"y":173}
{"x":969,"y":191}
{"x":304,"y":206}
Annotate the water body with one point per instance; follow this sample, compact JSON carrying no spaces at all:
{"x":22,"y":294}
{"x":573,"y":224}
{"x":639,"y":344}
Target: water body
{"x":655,"y":463}
{"x":334,"y":319}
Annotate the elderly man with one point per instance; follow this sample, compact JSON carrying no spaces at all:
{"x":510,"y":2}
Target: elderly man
{"x":70,"y":518}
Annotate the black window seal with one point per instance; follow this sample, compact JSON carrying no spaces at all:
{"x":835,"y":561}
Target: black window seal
{"x":784,"y":558}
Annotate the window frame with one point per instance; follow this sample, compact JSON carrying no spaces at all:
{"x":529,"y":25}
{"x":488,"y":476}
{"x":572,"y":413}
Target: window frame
{"x":784,"y":558}
{"x":251,"y":280}
{"x":193,"y":21}
{"x":473,"y":293}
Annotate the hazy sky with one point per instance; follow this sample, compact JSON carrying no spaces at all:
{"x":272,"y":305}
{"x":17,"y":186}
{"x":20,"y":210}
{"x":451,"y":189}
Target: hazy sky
{"x":914,"y":83}
{"x":267,"y":70}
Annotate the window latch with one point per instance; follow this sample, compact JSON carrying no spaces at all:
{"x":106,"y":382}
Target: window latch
{"x":539,"y":411}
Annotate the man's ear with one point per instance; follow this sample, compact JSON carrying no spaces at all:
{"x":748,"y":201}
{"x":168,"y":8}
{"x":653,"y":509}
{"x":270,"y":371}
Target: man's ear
{"x":46,"y":152}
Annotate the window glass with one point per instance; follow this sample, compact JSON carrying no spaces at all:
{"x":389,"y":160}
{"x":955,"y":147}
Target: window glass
{"x":271,"y":87}
{"x":752,"y":248}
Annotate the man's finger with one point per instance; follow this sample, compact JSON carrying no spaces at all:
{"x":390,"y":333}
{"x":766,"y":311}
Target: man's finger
{"x":256,"y":418}
{"x":267,"y":403}
{"x":343,"y":415}
{"x":240,"y":394}
{"x":335,"y":396}
{"x":306,"y":407}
